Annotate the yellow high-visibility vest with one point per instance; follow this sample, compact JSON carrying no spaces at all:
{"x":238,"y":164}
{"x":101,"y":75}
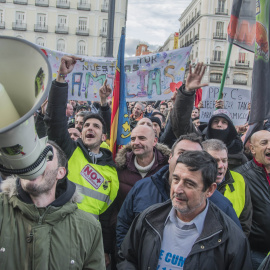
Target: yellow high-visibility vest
{"x":238,"y":196}
{"x":98,"y":184}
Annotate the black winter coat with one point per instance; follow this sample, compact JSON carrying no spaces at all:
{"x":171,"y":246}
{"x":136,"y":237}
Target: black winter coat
{"x":221,"y":245}
{"x":259,"y":188}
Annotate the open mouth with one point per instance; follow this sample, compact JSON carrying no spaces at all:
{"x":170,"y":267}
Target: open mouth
{"x":220,"y":174}
{"x":268,"y":154}
{"x":90,"y":136}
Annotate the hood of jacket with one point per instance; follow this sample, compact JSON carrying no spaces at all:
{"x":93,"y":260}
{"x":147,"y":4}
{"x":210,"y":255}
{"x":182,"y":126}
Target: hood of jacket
{"x":125,"y":155}
{"x":232,"y":134}
{"x":66,"y":191}
{"x":50,"y":214}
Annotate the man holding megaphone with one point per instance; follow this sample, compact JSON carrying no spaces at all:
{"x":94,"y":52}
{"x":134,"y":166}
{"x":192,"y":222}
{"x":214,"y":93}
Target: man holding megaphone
{"x":91,"y":167}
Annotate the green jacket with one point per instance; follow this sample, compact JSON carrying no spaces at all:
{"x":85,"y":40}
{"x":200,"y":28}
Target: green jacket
{"x":55,"y":237}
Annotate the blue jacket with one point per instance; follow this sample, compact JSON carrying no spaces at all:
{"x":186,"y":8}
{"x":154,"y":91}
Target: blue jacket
{"x":152,"y":190}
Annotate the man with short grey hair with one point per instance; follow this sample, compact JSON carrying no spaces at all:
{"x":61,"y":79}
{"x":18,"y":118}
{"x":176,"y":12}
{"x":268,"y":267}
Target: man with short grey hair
{"x":188,"y":231}
{"x":231,"y":184}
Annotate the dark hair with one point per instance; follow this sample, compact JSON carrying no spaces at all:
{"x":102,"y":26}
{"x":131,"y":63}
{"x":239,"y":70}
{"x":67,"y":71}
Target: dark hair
{"x":61,"y":156}
{"x":164,"y":103}
{"x":86,"y":107}
{"x":98,"y":117}
{"x":83,"y":113}
{"x":193,"y":137}
{"x":159,"y":113}
{"x":200,"y":161}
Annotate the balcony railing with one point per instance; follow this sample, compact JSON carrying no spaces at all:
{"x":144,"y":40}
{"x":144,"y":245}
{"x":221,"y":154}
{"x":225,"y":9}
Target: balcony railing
{"x":60,"y":29}
{"x":190,"y":22}
{"x":219,"y":36}
{"x":104,"y":8}
{"x":41,"y":28}
{"x":241,"y":82}
{"x":242,"y":63}
{"x":20,"y":2}
{"x":217,"y":61}
{"x":82,"y":32}
{"x":196,"y":37}
{"x":221,"y":11}
{"x":19,"y":26}
{"x":42,"y":3}
{"x":62,"y":4}
{"x":103,"y":33}
{"x":84,"y":6}
{"x":2,"y":25}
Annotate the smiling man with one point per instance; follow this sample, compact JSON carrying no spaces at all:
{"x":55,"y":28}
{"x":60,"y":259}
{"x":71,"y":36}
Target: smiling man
{"x":41,"y":223}
{"x":256,"y":173}
{"x":141,"y":158}
{"x":91,"y":167}
{"x":188,"y":231}
{"x":231,"y":184}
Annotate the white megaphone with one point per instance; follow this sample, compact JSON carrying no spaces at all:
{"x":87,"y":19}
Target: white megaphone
{"x":25,"y":80}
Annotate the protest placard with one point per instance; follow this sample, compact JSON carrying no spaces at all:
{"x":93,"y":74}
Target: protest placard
{"x":235,"y":101}
{"x":148,"y":77}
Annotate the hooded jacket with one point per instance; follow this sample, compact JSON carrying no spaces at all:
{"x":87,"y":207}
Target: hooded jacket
{"x":182,"y":124}
{"x":59,"y":236}
{"x":232,"y":140}
{"x":127,"y":172}
{"x":221,"y":245}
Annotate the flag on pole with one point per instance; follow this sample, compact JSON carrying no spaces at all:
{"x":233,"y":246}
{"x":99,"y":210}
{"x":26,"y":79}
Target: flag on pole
{"x":260,"y":94}
{"x":120,"y":128}
{"x":242,"y":26}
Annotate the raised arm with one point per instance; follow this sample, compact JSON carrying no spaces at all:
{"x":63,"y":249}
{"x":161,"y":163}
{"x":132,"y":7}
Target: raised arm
{"x":55,"y":117}
{"x":184,"y":100}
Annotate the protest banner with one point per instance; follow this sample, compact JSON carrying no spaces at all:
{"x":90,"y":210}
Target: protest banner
{"x":235,"y":101}
{"x":150,"y":77}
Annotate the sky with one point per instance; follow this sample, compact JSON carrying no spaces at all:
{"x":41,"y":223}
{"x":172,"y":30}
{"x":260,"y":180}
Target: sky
{"x":151,"y":22}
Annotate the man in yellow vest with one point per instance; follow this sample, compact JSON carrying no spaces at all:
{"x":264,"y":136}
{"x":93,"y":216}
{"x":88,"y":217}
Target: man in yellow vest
{"x":91,"y":167}
{"x":231,"y":184}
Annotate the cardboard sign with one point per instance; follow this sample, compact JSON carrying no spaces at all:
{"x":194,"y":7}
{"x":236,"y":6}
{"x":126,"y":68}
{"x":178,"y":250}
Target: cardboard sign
{"x":235,"y":101}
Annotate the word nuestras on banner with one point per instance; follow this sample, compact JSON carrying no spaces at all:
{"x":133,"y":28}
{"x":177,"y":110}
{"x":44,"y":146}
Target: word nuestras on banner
{"x":149,"y":77}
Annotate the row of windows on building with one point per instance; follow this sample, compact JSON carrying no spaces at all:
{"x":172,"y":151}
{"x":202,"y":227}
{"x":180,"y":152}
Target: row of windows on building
{"x":192,"y":36}
{"x":218,"y":57}
{"x":220,"y":10}
{"x":238,"y":78}
{"x":61,"y":26}
{"x":61,"y":45}
{"x":81,"y":4}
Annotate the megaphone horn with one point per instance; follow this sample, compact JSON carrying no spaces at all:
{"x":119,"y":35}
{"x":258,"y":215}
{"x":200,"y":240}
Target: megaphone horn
{"x":25,"y":79}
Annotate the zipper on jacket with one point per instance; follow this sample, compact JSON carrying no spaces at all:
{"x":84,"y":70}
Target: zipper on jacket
{"x":40,"y":219}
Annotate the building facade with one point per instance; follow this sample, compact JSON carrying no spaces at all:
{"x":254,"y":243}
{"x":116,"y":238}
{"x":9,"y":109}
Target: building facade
{"x":72,"y":26}
{"x":204,"y":25}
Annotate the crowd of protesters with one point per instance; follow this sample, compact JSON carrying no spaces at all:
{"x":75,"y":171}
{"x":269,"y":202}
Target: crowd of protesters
{"x":181,"y":195}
